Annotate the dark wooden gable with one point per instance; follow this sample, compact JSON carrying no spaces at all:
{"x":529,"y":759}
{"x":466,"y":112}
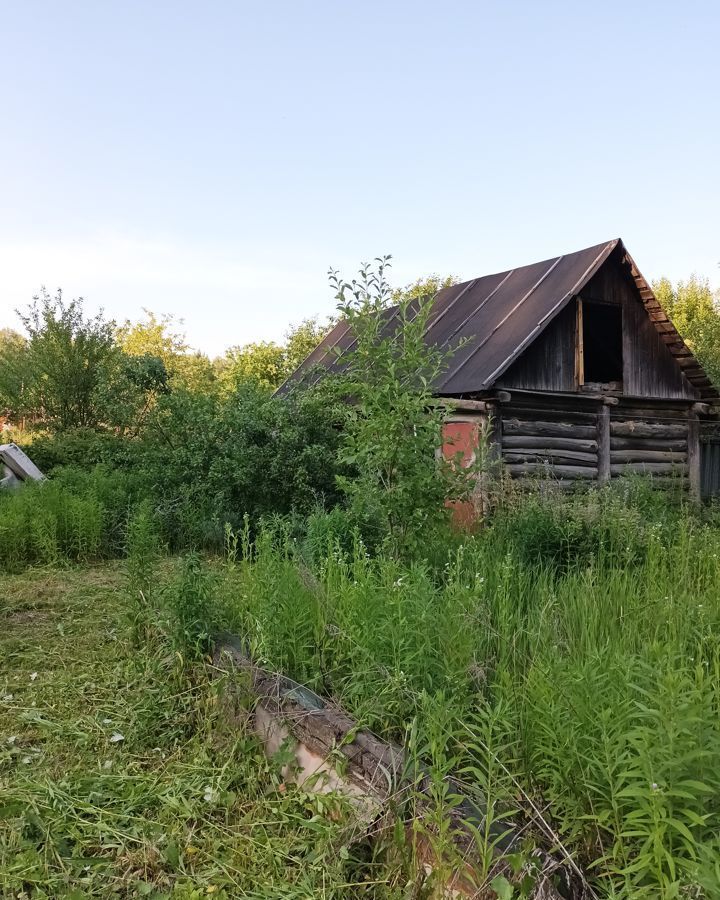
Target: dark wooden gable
{"x":548,"y":364}
{"x":649,"y":368}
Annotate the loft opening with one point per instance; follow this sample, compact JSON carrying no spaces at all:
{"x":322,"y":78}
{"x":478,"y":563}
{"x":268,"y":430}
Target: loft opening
{"x":600,"y":342}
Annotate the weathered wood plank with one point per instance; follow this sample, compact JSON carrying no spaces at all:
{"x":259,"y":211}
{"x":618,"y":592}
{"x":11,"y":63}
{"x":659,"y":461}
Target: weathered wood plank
{"x":548,"y":429}
{"x":552,"y":443}
{"x":647,"y":429}
{"x":567,"y":484}
{"x":465,"y":405}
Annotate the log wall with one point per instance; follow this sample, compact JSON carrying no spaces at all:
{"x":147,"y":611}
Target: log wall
{"x":582,"y":440}
{"x":540,"y":439}
{"x":651,"y":440}
{"x":579,"y":440}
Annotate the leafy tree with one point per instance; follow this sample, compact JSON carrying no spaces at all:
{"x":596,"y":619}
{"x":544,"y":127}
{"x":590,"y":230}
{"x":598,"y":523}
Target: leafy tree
{"x":423,"y":288}
{"x":268,"y":363}
{"x":129,"y":388}
{"x":13,"y":375}
{"x":263,"y":363}
{"x":193,"y":372}
{"x":394,"y":428}
{"x":209,"y":459}
{"x":56,"y":372}
{"x":695,"y":311}
{"x":301,"y":340}
{"x":154,"y":336}
{"x":157,"y":336}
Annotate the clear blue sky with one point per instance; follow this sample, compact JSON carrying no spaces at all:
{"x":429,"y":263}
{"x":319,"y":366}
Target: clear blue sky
{"x":212,"y":159}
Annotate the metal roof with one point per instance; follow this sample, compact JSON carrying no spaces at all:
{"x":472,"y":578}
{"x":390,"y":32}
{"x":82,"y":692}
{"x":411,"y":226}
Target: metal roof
{"x":491,"y":320}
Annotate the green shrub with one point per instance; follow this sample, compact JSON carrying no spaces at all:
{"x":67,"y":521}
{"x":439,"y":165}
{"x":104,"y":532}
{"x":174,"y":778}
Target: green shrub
{"x":82,"y":448}
{"x":614,"y":525}
{"x":209,"y":460}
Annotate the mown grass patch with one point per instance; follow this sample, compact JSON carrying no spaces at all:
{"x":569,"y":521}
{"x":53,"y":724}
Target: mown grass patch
{"x":120,"y":777}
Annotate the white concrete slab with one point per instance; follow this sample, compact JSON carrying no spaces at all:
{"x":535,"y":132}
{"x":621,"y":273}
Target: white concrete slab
{"x":19,"y":463}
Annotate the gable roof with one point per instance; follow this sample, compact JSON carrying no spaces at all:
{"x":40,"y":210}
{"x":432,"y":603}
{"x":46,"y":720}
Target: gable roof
{"x":498,"y":316}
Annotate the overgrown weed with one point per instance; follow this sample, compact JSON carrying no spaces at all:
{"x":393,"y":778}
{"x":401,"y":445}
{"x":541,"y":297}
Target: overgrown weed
{"x":584,"y":629}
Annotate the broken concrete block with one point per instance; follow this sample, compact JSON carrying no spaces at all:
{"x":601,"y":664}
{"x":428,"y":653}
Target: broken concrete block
{"x":18,"y":464}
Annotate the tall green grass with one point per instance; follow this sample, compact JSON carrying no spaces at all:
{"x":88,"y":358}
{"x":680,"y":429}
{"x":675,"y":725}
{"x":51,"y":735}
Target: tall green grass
{"x":575,"y":645}
{"x":43,"y":524}
{"x":77,"y":516}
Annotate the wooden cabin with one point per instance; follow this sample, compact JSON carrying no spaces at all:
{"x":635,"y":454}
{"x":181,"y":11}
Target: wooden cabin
{"x":576,"y":370}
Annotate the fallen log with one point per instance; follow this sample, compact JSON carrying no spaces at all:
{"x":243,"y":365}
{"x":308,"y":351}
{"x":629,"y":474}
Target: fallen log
{"x":332,"y":753}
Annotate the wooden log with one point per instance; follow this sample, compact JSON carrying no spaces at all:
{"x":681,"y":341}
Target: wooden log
{"x":552,"y":399}
{"x":569,"y":457}
{"x":603,"y":439}
{"x":703,"y":408}
{"x":552,"y":443}
{"x":579,"y":344}
{"x":661,"y":415}
{"x":642,"y":455}
{"x":647,"y":429}
{"x":693,"y":456}
{"x":548,"y":413}
{"x":601,"y":388}
{"x":465,"y":405}
{"x":548,"y":429}
{"x":519,"y":470}
{"x":647,"y":468}
{"x":647,"y":444}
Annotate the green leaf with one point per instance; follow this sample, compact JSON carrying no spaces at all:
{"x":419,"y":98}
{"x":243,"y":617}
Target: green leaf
{"x":172,"y":855}
{"x":502,"y":887}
